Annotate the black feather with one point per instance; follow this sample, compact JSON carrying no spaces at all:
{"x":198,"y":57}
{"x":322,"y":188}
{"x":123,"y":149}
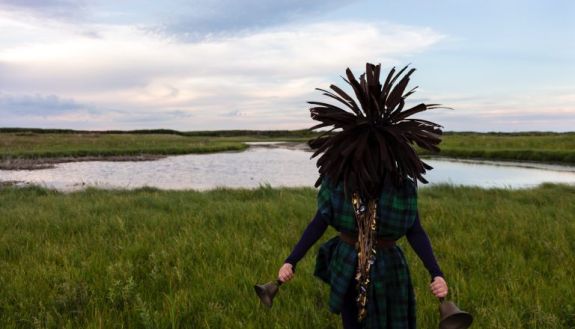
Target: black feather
{"x":376,"y":141}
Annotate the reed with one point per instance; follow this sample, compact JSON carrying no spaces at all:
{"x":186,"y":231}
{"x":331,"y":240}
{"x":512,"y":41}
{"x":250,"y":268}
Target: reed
{"x":19,"y":143}
{"x":185,"y":259}
{"x":527,"y":146}
{"x":53,"y":145}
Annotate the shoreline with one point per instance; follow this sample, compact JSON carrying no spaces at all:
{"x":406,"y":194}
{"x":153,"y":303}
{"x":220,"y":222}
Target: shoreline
{"x":50,"y":162}
{"x":557,"y":166}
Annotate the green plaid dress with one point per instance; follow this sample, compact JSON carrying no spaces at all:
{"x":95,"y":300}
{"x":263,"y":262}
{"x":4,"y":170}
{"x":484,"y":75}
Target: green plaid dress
{"x":391,"y":301}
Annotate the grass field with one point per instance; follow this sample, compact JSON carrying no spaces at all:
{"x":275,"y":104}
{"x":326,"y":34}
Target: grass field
{"x":529,"y":146}
{"x":186,"y":259}
{"x":48,"y":145}
{"x":538,"y":147}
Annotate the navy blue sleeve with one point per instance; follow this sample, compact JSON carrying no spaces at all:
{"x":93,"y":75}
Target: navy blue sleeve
{"x":312,"y":233}
{"x":420,"y":243}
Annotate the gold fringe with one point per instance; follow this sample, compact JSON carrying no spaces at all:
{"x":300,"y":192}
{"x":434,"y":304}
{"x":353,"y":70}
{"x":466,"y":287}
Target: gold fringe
{"x":367,"y":226}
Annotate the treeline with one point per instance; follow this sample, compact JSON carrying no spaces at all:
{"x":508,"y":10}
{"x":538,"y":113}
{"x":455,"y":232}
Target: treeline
{"x":73,"y":131}
{"x":205,"y":133}
{"x":518,"y":133}
{"x":236,"y":133}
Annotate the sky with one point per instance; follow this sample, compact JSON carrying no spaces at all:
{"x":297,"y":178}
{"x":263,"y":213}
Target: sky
{"x":505,"y":65}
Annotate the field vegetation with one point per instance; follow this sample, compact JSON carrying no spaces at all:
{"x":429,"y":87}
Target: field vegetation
{"x":528,"y":146}
{"x":70,"y":145}
{"x":185,"y":259}
{"x":49,"y":145}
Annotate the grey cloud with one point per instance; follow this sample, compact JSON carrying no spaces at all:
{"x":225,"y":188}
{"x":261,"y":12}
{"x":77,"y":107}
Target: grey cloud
{"x":182,"y":19}
{"x":52,"y":80}
{"x":47,"y":111}
{"x":63,"y":9}
{"x":37,"y":105}
{"x":222,"y":17}
{"x":151,"y":117}
{"x":530,"y":117}
{"x":90,"y":34}
{"x":235,"y":113}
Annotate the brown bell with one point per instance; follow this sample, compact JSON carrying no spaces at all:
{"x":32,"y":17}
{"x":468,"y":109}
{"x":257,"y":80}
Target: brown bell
{"x":266,"y":292}
{"x":452,"y":317}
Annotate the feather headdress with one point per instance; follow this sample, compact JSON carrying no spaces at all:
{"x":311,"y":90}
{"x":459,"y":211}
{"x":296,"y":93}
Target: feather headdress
{"x":373,"y":135}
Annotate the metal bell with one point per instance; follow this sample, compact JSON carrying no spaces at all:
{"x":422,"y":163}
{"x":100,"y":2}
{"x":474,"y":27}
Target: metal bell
{"x":452,"y":317}
{"x":266,"y":292}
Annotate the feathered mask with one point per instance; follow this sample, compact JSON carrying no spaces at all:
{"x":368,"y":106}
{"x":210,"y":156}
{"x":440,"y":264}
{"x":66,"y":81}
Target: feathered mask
{"x":373,"y":136}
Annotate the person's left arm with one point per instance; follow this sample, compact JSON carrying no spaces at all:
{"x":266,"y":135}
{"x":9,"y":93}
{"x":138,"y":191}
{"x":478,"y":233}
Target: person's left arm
{"x":312,"y":233}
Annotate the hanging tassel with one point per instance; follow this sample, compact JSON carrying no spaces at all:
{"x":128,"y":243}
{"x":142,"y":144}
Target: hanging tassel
{"x":366,"y":218}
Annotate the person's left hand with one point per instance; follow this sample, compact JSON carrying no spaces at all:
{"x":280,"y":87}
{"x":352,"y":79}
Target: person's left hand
{"x":439,"y":287}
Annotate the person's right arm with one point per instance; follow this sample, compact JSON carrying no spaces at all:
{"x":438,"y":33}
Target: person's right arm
{"x":312,"y":233}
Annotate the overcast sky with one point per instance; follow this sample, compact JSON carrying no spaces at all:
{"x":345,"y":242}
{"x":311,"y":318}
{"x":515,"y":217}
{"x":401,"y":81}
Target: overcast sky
{"x":505,"y":65}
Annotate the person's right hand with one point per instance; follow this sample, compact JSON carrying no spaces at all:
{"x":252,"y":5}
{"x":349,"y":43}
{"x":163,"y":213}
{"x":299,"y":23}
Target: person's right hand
{"x":439,"y":287}
{"x":285,"y":273}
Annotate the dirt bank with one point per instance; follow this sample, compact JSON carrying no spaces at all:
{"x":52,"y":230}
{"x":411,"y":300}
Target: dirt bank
{"x":45,"y":163}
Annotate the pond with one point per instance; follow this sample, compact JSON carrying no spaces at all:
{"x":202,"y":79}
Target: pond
{"x":266,"y":164}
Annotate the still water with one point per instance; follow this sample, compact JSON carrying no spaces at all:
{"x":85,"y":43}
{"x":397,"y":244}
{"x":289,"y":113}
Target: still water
{"x":265,"y":165}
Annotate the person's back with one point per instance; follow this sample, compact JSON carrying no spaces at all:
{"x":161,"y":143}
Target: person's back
{"x":369,"y":156}
{"x":396,"y":207}
{"x":389,"y":299}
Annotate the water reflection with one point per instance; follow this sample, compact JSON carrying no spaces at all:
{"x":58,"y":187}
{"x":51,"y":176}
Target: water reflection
{"x":497,"y":174}
{"x":261,"y":165}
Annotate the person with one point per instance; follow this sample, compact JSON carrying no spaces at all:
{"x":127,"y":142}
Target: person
{"x":368,"y":193}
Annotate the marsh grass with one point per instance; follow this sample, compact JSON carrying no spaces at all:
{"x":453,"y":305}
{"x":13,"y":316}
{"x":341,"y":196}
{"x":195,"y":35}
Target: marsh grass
{"x":51,"y":145}
{"x":186,"y":259}
{"x":37,"y":143}
{"x":539,"y":147}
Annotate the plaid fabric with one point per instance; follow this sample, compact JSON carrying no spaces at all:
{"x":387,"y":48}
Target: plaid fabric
{"x":396,"y":209}
{"x":391,"y":301}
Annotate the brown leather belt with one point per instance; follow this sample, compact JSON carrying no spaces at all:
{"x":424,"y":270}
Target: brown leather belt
{"x":380,"y":243}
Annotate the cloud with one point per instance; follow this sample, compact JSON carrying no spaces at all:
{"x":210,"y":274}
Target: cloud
{"x":60,"y":9}
{"x":237,"y":113}
{"x":220,"y":17}
{"x":183,"y":19}
{"x":37,"y":105}
{"x":549,"y":109}
{"x":268,"y":75}
{"x":129,"y":78}
{"x":51,"y":110}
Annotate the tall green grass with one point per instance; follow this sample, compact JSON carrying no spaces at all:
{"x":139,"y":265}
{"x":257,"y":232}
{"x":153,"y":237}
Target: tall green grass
{"x":39,"y":143}
{"x":302,"y":133}
{"x":50,"y":145}
{"x":186,"y":259}
{"x":528,"y":146}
